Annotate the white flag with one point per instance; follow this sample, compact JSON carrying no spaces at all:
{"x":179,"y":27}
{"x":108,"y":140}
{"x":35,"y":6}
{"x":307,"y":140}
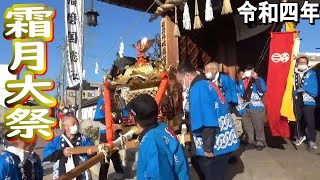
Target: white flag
{"x":74,"y":33}
{"x":121,"y":49}
{"x":96,"y":71}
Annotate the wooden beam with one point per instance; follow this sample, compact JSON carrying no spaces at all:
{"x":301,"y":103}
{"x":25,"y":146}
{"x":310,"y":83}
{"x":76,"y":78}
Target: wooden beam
{"x":82,"y":167}
{"x":169,"y":43}
{"x":96,"y":159}
{"x":94,"y":149}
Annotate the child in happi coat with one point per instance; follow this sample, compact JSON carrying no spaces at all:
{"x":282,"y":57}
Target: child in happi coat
{"x":160,"y":153}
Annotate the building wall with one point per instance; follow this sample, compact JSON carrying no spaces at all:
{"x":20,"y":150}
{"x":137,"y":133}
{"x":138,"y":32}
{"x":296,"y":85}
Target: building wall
{"x":86,"y":94}
{"x":71,"y":97}
{"x":88,"y":112}
{"x":314,"y":58}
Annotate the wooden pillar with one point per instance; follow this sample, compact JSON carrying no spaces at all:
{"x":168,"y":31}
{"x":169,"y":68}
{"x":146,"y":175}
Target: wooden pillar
{"x":169,"y":43}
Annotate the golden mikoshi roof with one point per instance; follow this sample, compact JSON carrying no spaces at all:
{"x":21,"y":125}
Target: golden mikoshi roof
{"x":140,"y":76}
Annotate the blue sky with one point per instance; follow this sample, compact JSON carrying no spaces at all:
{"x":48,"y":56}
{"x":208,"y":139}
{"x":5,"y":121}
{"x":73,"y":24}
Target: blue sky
{"x":113,"y":23}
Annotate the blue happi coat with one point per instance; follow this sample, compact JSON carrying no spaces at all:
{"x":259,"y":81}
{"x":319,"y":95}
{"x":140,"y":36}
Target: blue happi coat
{"x":57,"y":145}
{"x":206,"y":110}
{"x":309,"y":87}
{"x":161,"y":156}
{"x":99,"y":114}
{"x":241,"y":106}
{"x":256,"y":96}
{"x":10,"y":166}
{"x":228,"y":87}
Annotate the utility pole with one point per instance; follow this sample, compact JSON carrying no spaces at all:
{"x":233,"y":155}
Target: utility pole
{"x":82,"y":59}
{"x":64,"y":64}
{"x":63,"y":50}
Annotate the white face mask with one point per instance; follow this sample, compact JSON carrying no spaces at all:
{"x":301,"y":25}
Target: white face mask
{"x":302,"y":67}
{"x":65,"y":111}
{"x":247,"y":74}
{"x":209,"y":75}
{"x":73,"y":129}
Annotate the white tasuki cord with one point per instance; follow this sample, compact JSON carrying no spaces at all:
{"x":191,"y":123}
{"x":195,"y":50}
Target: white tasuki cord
{"x":121,"y":141}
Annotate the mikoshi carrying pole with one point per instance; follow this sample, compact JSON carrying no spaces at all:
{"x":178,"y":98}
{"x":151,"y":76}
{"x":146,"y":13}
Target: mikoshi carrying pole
{"x":103,"y":150}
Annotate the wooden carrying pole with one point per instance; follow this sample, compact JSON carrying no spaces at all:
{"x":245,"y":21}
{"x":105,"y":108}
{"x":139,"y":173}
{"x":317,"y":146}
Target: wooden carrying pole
{"x":97,"y":158}
{"x":82,"y":167}
{"x":117,"y":144}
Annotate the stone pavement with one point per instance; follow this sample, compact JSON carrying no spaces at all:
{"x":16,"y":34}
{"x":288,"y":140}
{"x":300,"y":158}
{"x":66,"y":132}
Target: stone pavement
{"x":279,"y":161}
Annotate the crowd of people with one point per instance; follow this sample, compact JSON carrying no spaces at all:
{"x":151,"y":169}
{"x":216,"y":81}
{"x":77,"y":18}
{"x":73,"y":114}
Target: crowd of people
{"x":220,"y":112}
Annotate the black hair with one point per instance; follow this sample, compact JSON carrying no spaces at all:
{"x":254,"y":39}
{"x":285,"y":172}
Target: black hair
{"x":249,"y":67}
{"x":186,"y":68}
{"x":303,"y":57}
{"x":147,"y":122}
{"x":241,"y":70}
{"x":144,"y":109}
{"x":30,"y":103}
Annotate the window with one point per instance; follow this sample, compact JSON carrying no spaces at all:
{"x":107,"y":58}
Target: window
{"x":91,"y":94}
{"x":72,"y":94}
{"x":84,"y":94}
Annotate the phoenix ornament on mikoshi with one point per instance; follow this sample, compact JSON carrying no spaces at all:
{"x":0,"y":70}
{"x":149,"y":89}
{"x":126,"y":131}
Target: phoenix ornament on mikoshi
{"x":143,"y":46}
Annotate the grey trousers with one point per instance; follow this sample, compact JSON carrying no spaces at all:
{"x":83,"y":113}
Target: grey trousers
{"x":253,"y":124}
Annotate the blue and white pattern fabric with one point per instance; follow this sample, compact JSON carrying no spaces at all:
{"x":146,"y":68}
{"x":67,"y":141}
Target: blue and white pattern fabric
{"x":12,"y":162}
{"x":58,"y":143}
{"x":228,"y":87}
{"x":161,"y":156}
{"x":207,"y":110}
{"x":309,"y":86}
{"x":241,"y":107}
{"x":99,"y":114}
{"x":256,"y":96}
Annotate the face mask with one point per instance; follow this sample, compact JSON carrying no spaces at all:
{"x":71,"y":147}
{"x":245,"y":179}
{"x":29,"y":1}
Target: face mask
{"x":247,"y":74}
{"x":65,"y":111}
{"x":209,"y":75}
{"x":302,"y":67}
{"x":73,"y":129}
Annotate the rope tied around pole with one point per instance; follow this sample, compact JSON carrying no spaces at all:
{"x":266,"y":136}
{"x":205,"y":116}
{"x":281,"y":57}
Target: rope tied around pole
{"x":103,"y":148}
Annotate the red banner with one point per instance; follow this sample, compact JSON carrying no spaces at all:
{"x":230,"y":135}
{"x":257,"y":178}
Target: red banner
{"x":281,"y":45}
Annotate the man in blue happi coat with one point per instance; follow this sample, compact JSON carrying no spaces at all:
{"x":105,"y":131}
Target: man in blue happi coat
{"x":214,"y":137}
{"x":305,"y":86}
{"x":58,"y":150}
{"x":115,"y":157}
{"x":252,"y":89}
{"x":228,"y":87}
{"x":160,"y":155}
{"x":226,"y":84}
{"x":18,"y":161}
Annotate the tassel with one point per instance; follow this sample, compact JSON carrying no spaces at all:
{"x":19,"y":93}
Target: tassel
{"x":176,"y":27}
{"x":209,"y":11}
{"x":226,"y":8}
{"x":186,"y":17}
{"x":197,"y":22}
